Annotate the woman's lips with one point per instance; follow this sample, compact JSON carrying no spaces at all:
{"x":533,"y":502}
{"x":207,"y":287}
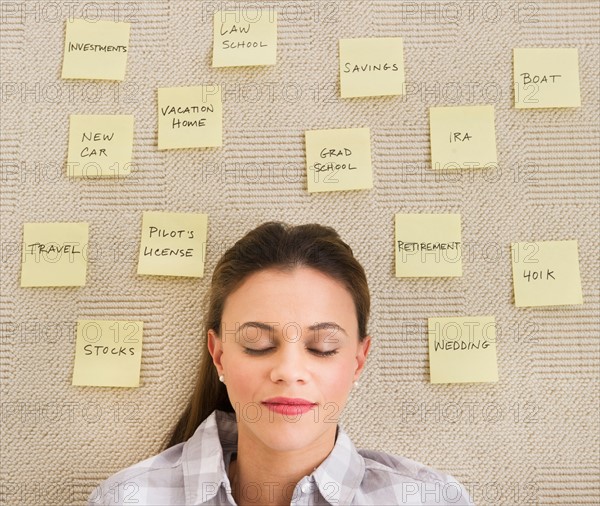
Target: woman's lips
{"x":289,"y":406}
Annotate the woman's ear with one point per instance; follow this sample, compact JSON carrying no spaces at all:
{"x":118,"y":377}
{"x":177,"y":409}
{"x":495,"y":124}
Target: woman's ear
{"x":361,"y":355}
{"x":215,"y":348}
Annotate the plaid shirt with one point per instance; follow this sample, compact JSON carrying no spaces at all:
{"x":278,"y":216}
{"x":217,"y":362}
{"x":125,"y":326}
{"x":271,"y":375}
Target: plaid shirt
{"x":194,"y":472}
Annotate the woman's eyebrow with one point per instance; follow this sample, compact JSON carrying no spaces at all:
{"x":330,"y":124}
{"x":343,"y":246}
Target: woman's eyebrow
{"x":327,"y":326}
{"x":258,"y":325}
{"x":271,"y":328}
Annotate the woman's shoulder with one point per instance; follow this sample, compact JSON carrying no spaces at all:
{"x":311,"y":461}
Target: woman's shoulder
{"x":130,"y":484}
{"x":415,"y":482}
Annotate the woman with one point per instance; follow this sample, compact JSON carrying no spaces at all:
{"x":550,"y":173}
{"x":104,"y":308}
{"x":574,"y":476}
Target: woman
{"x":286,"y":340}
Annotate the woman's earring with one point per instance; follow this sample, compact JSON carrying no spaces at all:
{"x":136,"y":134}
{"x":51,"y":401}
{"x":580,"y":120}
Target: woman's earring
{"x":222,"y":378}
{"x":355,"y":384}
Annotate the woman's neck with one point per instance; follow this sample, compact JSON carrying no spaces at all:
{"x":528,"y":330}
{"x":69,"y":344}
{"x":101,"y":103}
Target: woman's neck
{"x":262,"y":476}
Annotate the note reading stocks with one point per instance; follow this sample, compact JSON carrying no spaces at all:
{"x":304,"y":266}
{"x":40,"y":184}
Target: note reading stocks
{"x":245,"y":37}
{"x":95,"y":50}
{"x":108,"y":353}
{"x":54,"y":254}
{"x":462,"y":349}
{"x":338,"y":159}
{"x":173,"y":244}
{"x":190,"y":117}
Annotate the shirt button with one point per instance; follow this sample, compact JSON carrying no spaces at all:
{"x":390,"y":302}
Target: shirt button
{"x":306,"y":488}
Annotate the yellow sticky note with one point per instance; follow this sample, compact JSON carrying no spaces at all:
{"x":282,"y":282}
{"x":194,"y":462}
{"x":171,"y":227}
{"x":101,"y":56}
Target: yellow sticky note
{"x":462,"y":137}
{"x":95,"y":50}
{"x":338,"y":159}
{"x":100,"y":145}
{"x":546,"y":273}
{"x":108,"y":353}
{"x":546,"y":77}
{"x":428,"y":245}
{"x":371,"y":67}
{"x":54,"y":254}
{"x":173,"y":244}
{"x":190,"y":117}
{"x":462,"y":349}
{"x":245,"y":37}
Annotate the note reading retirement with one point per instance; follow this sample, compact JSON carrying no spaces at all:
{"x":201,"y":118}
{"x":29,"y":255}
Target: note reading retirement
{"x":338,"y":159}
{"x":371,"y":67}
{"x":245,"y":37}
{"x":190,"y":117}
{"x":462,"y":349}
{"x":462,"y":137}
{"x":428,"y":245}
{"x":173,"y":244}
{"x":546,"y":273}
{"x":95,"y":50}
{"x":54,"y":254}
{"x":546,"y":77}
{"x":108,"y":353}
{"x":100,"y":145}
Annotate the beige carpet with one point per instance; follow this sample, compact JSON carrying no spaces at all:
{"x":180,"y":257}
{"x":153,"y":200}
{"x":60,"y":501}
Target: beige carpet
{"x":531,"y":438}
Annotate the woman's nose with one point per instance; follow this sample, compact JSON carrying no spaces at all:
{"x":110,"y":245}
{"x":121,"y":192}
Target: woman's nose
{"x":289,"y":364}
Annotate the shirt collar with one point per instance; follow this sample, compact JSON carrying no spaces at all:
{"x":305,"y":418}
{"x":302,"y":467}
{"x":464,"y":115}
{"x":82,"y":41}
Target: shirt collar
{"x":341,"y":473}
{"x":207,"y":453}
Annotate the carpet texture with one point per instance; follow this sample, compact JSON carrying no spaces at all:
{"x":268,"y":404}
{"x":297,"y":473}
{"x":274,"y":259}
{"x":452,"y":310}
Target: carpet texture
{"x":531,"y":438}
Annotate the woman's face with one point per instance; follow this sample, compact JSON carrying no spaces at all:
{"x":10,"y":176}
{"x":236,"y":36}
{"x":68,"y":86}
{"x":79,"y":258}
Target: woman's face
{"x":291,"y":335}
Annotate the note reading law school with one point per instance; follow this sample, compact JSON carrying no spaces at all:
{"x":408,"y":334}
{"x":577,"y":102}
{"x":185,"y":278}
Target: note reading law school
{"x":244,"y":37}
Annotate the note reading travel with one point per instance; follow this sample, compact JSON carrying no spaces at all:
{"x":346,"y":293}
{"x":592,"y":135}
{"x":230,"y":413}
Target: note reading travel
{"x":54,"y":254}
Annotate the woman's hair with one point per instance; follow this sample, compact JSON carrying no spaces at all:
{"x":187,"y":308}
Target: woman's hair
{"x":271,"y":245}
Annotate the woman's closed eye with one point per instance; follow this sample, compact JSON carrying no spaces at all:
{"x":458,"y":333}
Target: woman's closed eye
{"x":263,"y":351}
